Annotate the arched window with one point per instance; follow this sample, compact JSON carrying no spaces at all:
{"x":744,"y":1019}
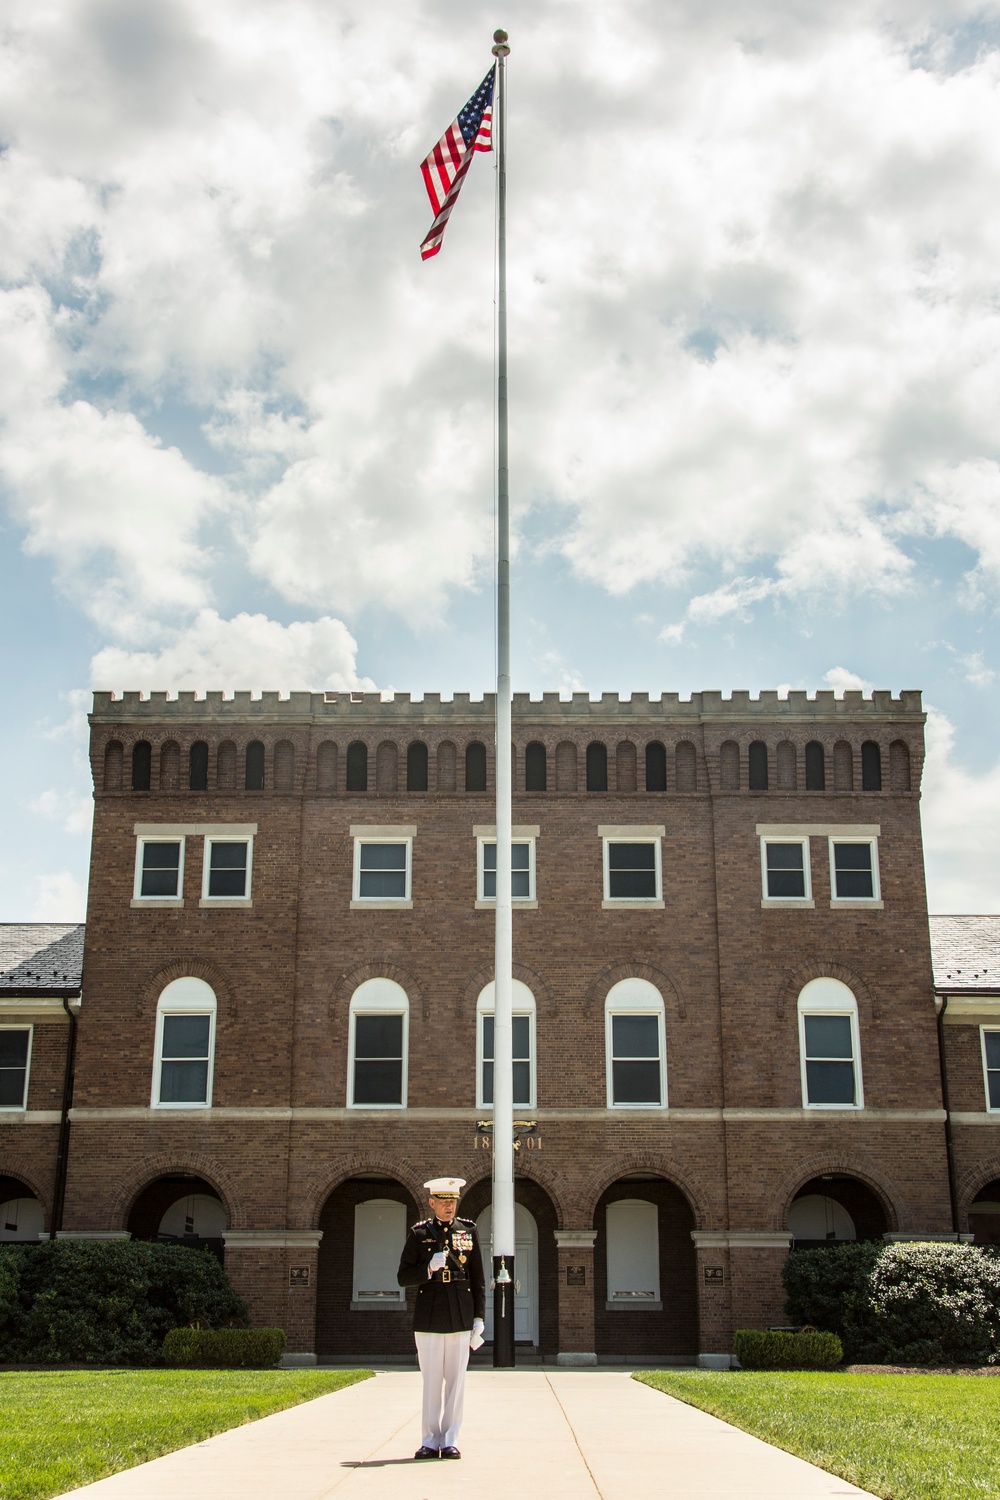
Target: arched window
{"x":142,"y":765}
{"x":635,"y":1045}
{"x":475,"y":767}
{"x":198,"y":767}
{"x":566,"y":772}
{"x":535,"y":767}
{"x":815,"y":767}
{"x":185,"y":1045}
{"x":656,"y":767}
{"x":829,"y":1046}
{"x":686,"y":767}
{"x":757,"y":761}
{"x":326,"y":767}
{"x":523,"y":1046}
{"x":254,"y":780}
{"x":818,"y":1219}
{"x":379,"y":1020}
{"x":416,"y":766}
{"x":597,"y":767}
{"x":871,"y":767}
{"x":284,"y":766}
{"x":729,"y":766}
{"x":633,"y":1246}
{"x":357,"y":767}
{"x":379,"y":1231}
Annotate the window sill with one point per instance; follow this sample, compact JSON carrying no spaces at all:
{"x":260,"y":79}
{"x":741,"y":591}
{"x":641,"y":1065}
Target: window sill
{"x":519,"y":903}
{"x":633,"y":1304}
{"x":866,"y":903}
{"x":223,"y":901}
{"x":382,"y":1304}
{"x":188,"y":1104}
{"x":657,"y":1108}
{"x":372,"y":903}
{"x":375,"y":1108}
{"x":621,"y":903}
{"x":156,"y":903}
{"x":787,"y":903}
{"x":850,"y":1109}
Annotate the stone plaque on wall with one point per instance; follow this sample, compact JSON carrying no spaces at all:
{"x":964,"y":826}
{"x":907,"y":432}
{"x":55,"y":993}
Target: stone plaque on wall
{"x":298,"y":1276}
{"x":576,"y":1275}
{"x":715,"y":1275}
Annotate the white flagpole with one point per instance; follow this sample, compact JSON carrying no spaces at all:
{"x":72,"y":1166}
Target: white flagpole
{"x":503,"y":1065}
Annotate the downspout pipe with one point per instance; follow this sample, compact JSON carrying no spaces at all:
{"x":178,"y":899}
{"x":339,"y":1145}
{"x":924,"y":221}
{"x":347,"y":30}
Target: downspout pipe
{"x":62,"y":1155}
{"x":949,"y":1139}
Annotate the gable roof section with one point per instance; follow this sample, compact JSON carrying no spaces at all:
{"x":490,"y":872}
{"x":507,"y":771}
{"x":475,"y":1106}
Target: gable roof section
{"x":41,"y":958}
{"x":965,"y":952}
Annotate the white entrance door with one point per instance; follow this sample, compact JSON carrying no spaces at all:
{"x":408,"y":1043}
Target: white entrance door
{"x":525,"y":1271}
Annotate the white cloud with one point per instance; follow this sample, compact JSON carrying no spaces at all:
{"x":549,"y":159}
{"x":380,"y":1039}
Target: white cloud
{"x":72,"y":811}
{"x":961,"y":824}
{"x":842,"y":680}
{"x":59,"y":897}
{"x":248,"y":652}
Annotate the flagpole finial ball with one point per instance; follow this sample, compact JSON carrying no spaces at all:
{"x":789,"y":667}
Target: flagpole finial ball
{"x":500,"y":48}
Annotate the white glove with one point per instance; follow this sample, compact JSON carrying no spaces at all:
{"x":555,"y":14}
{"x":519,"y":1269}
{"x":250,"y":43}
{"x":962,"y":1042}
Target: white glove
{"x":476,"y":1336}
{"x":437,"y":1262}
{"x":478,"y":1326}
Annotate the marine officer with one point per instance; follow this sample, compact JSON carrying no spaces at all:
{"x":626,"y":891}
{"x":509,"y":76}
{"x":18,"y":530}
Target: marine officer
{"x":442,"y":1259}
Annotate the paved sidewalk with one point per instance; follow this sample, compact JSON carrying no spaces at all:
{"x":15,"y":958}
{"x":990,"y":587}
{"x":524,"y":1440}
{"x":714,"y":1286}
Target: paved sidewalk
{"x":533,"y":1434}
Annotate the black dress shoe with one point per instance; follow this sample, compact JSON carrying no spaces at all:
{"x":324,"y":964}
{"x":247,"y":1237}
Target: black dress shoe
{"x":426,"y":1453}
{"x":450,"y":1453}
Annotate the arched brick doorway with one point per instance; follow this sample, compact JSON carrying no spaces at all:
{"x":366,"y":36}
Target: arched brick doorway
{"x":834,"y":1209}
{"x":179,"y":1209}
{"x":22,"y":1216}
{"x":984,"y":1214}
{"x":358,"y":1311}
{"x":533,"y":1200}
{"x":645,"y":1288}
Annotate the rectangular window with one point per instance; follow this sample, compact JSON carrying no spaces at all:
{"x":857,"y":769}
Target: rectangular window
{"x":185,"y":1058}
{"x":633,"y":1250}
{"x":159,"y":869}
{"x":828,"y":1051}
{"x":636,"y":1060}
{"x":228,"y":865}
{"x":524,"y":1094}
{"x":632,"y":870}
{"x":785,"y":866}
{"x":379,"y":1231}
{"x":991,"y":1067}
{"x":381,"y":870}
{"x":378,"y":1059}
{"x":15,"y":1056}
{"x":522,"y":870}
{"x":854,"y":870}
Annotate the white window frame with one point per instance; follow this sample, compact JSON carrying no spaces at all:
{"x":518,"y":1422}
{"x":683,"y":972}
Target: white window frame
{"x":767,"y":900}
{"x":993,"y":1109}
{"x":226,"y":838}
{"x":379,"y":997}
{"x":20,"y":1026}
{"x":142,"y":839}
{"x":630,"y":834}
{"x":624,"y":1301}
{"x":382,"y":835}
{"x":868,"y":902}
{"x":375,"y":1304}
{"x":829,"y":997}
{"x":188,"y":996}
{"x":523,"y":1005}
{"x":486,"y":836}
{"x":632,"y":997}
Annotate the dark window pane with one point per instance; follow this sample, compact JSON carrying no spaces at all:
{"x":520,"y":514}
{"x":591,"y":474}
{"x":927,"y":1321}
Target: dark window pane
{"x":631,"y":871}
{"x":383,"y":856}
{"x":871,"y":767}
{"x":853,"y":868}
{"x":161,"y":856}
{"x":656,"y":767}
{"x":635,"y":1082}
{"x":522,"y":1083}
{"x":534,"y":768}
{"x":198,"y":767}
{"x":378,"y":1082}
{"x":632,"y":857}
{"x":416,"y":767}
{"x":487,"y":1036}
{"x":378,"y":1036}
{"x":13,"y":1049}
{"x":186,"y":1036}
{"x":142,"y":764}
{"x":385,"y":885}
{"x":815,"y":767}
{"x":12,"y":1088}
{"x":758,"y":767}
{"x":830,"y":1082}
{"x":635,"y":1036}
{"x":227,"y":875}
{"x":520,"y":871}
{"x":992,"y":1048}
{"x":184,"y":1083}
{"x":487,"y":1081}
{"x":785,"y":872}
{"x":521,"y":1038}
{"x":357,"y":767}
{"x":993,"y":1078}
{"x":255,"y":767}
{"x":597,"y":767}
{"x":160,"y":869}
{"x":828,"y":1036}
{"x":631,"y":885}
{"x":475,"y":768}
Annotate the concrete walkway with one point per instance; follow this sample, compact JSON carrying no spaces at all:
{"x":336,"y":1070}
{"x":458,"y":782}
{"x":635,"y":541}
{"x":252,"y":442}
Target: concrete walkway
{"x":534,"y":1435}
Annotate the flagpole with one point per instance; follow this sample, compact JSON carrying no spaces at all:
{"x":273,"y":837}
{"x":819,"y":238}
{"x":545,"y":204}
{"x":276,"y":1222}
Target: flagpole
{"x":503,"y":1065}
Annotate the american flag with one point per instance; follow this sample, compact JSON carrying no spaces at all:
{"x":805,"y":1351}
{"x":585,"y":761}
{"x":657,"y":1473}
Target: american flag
{"x":446,"y":167}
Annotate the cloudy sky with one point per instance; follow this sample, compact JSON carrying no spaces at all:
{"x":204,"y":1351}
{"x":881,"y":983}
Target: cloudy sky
{"x":246,"y":435}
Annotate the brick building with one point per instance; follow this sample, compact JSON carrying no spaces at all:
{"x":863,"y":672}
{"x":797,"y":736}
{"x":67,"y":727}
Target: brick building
{"x":725,"y":1035}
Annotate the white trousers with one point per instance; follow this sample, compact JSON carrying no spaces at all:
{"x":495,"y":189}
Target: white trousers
{"x":443,"y":1360}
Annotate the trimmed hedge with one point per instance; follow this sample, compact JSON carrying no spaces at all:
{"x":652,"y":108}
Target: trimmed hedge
{"x":779,"y":1350}
{"x":106,"y":1302}
{"x":224,"y":1348}
{"x":925,"y":1303}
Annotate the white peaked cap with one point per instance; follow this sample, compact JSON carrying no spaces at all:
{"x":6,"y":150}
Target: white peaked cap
{"x":445,"y":1187}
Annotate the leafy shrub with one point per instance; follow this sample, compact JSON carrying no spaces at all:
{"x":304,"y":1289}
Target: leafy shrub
{"x":224,"y":1348}
{"x":109,"y":1302}
{"x":778,"y":1350}
{"x":927,"y":1303}
{"x":10,"y":1302}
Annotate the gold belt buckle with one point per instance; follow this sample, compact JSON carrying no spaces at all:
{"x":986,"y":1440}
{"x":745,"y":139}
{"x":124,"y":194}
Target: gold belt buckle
{"x":446,"y":1275}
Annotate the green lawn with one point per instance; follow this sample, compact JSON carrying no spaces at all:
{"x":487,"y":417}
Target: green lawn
{"x":61,"y":1429}
{"x":904,"y":1437}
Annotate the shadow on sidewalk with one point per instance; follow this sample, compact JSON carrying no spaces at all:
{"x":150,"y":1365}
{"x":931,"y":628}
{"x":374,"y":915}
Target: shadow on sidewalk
{"x":377,"y":1463}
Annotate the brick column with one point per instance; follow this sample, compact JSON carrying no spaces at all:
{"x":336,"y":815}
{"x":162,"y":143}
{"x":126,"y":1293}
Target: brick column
{"x":748,"y":1295}
{"x":715,"y":1311}
{"x":575,"y":1249}
{"x":274,"y":1271}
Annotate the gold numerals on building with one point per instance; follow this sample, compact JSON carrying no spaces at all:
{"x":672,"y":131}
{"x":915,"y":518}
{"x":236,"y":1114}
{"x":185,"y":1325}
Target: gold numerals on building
{"x":527,"y":1143}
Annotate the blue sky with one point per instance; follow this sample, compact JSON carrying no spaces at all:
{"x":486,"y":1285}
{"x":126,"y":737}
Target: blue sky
{"x":245,"y":435}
